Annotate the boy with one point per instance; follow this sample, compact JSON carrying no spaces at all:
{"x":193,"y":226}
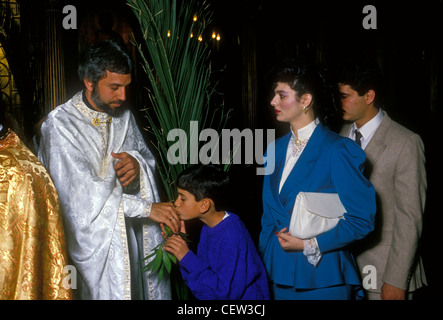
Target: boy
{"x":227,"y":265}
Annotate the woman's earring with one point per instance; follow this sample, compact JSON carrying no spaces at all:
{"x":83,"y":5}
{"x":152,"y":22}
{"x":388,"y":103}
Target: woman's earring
{"x":305,"y":109}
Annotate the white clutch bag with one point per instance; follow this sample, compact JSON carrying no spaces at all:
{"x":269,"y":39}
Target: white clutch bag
{"x":315,"y":213}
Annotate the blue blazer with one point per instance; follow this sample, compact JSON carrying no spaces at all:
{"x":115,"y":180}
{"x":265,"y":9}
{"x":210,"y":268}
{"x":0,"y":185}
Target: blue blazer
{"x":332,"y":164}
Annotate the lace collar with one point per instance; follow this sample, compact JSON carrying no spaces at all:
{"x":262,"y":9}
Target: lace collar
{"x":304,"y":133}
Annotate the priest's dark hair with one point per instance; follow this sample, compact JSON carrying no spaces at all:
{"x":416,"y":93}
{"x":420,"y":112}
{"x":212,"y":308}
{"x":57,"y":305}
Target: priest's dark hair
{"x":104,"y":56}
{"x":206,"y":181}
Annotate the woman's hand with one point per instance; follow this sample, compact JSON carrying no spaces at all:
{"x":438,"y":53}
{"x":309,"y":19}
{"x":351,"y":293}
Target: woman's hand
{"x":289,"y":243}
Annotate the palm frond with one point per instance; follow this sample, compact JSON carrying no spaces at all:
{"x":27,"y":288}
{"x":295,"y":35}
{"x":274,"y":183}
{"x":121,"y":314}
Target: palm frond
{"x":179,"y":71}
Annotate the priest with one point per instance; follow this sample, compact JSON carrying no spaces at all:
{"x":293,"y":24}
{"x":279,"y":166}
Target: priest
{"x":104,"y":174}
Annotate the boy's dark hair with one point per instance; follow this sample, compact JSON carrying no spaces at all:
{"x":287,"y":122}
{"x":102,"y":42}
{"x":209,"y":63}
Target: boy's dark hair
{"x":362,"y":75}
{"x":104,"y":56}
{"x":206,"y":181}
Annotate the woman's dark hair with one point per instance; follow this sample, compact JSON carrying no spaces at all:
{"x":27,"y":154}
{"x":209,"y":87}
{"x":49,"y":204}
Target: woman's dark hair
{"x":306,"y":78}
{"x":104,"y":56}
{"x":206,"y":181}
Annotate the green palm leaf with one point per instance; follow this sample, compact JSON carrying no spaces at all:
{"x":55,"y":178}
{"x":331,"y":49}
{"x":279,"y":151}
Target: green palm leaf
{"x":178,"y":68}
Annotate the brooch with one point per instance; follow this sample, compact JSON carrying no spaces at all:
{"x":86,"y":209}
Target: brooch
{"x":96,"y":121}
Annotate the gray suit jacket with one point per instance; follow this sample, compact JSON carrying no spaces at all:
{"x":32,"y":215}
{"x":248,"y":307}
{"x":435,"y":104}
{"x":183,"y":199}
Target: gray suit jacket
{"x":396,"y":167}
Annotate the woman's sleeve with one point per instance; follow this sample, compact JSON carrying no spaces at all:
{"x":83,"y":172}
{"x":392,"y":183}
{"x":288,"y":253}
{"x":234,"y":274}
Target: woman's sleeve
{"x":356,"y":193}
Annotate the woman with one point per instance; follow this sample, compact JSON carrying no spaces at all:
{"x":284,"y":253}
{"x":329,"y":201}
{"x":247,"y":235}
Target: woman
{"x":311,"y":158}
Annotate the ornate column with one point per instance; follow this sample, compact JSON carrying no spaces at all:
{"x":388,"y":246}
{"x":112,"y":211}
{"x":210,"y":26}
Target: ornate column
{"x":54,"y":71}
{"x":249,"y":73}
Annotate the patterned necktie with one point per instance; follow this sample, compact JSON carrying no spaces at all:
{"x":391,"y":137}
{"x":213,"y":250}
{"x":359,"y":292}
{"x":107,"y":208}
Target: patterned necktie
{"x":358,"y":137}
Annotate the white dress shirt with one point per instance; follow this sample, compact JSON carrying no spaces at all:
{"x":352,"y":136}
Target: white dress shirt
{"x":367,"y":131}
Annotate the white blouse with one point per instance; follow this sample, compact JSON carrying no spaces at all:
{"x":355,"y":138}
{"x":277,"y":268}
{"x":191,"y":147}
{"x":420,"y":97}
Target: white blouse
{"x":293,"y":153}
{"x":295,"y":149}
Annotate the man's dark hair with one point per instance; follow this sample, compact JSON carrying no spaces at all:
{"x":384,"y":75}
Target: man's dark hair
{"x":362,"y":75}
{"x":104,"y":56}
{"x":206,"y":181}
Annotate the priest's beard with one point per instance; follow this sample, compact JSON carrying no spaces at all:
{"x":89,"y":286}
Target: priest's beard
{"x":113,"y":112}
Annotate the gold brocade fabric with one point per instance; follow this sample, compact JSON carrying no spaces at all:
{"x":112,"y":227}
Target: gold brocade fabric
{"x":32,"y":241}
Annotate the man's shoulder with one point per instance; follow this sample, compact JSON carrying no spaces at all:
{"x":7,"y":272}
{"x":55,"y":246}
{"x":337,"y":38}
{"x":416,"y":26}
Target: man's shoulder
{"x":395,"y":131}
{"x":62,"y":112}
{"x":399,"y":129}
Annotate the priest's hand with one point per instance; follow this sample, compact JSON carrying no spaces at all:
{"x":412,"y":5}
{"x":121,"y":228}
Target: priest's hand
{"x":127,"y":168}
{"x":164,"y":212}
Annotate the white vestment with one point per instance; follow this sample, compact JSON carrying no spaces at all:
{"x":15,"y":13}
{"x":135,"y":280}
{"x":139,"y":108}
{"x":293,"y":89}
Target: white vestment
{"x":107,"y":228}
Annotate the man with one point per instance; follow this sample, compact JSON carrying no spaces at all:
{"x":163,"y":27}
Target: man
{"x":396,"y":167}
{"x":32,"y":243}
{"x":104,"y":173}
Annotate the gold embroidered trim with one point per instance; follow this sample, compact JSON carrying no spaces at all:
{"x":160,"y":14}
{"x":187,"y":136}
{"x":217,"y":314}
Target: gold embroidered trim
{"x":96,"y":121}
{"x":102,"y":122}
{"x":125,"y":251}
{"x":145,"y":195}
{"x":96,"y":117}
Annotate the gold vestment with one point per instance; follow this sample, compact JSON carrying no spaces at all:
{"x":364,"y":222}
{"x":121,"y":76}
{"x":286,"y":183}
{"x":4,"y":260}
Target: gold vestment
{"x":32,"y":241}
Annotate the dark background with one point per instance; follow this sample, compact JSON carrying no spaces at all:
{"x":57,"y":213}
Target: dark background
{"x":255,"y":35}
